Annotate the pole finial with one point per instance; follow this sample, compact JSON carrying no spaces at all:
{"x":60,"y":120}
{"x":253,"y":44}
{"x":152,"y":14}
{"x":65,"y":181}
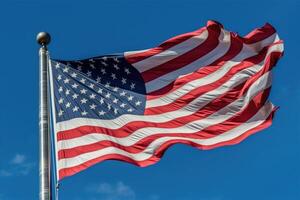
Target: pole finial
{"x":43,"y":38}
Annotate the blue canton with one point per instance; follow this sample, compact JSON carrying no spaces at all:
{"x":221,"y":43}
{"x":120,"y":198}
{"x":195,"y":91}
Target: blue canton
{"x":102,"y":88}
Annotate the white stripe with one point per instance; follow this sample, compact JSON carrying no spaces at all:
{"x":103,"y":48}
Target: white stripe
{"x":210,"y":78}
{"x":52,"y":98}
{"x":255,"y":121}
{"x":171,"y":53}
{"x":219,"y":51}
{"x":216,"y":118}
{"x":164,"y":117}
{"x":260,"y":44}
{"x":129,"y":53}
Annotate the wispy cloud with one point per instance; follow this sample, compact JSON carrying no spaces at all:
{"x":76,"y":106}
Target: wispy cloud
{"x":4,"y":172}
{"x":18,"y":166}
{"x":115,"y":191}
{"x":18,"y":159}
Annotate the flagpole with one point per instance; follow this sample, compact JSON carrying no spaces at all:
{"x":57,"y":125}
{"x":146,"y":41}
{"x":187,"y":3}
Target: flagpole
{"x":43,"y":39}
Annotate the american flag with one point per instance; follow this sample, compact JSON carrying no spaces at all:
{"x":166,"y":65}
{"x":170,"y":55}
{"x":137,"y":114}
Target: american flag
{"x":206,"y":88}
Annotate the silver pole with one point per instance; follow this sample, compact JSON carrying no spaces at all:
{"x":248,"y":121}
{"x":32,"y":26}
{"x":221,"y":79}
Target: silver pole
{"x":43,"y":39}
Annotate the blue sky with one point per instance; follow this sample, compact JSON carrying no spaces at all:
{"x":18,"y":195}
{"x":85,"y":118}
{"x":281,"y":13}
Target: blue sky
{"x":265,"y":166}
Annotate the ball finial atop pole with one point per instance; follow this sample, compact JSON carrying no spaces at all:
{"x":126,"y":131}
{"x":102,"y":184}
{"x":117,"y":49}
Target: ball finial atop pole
{"x":43,"y":38}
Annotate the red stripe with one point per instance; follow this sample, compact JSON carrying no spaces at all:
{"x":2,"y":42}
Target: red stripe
{"x":159,"y":152}
{"x":73,"y":170}
{"x":208,"y":45}
{"x":134,"y":58}
{"x":259,"y":34}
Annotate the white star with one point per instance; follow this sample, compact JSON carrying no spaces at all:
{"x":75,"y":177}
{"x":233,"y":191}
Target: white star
{"x":138,"y":103}
{"x":91,"y":60}
{"x":98,"y":79}
{"x":107,"y":85}
{"x":107,"y":95}
{"x":74,"y":85}
{"x":116,"y":111}
{"x":59,"y":77}
{"x":104,"y":63}
{"x":79,"y":67}
{"x":75,"y":109}
{"x":113,"y":76}
{"x":116,"y":60}
{"x":115,"y":100}
{"x":115,"y":89}
{"x":101,"y":112}
{"x":108,"y":106}
{"x":75,"y":96}
{"x":93,"y":106}
{"x":129,"y":110}
{"x":84,"y":113}
{"x":100,"y":90}
{"x":92,"y":96}
{"x":67,"y":92}
{"x":101,"y":100}
{"x":60,"y":89}
{"x":127,"y":71}
{"x":57,"y":66}
{"x":61,"y":100}
{"x":132,"y":86}
{"x":104,"y":58}
{"x":83,"y":91}
{"x":124,"y":81}
{"x":89,"y":73}
{"x":74,"y":75}
{"x":60,"y":113}
{"x":66,"y":69}
{"x":68,"y":105}
{"x":122,"y":93}
{"x":91,"y":85}
{"x":103,"y":71}
{"x":82,"y":80}
{"x":92,"y":66}
{"x":83,"y":101}
{"x":130,"y":98}
{"x":116,"y":67}
{"x":66,"y":80}
{"x":123,"y":105}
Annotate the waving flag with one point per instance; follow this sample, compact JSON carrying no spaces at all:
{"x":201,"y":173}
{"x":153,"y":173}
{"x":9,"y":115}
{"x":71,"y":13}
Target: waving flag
{"x":206,"y":88}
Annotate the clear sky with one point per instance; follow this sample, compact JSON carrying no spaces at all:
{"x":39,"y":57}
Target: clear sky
{"x":264,"y":166}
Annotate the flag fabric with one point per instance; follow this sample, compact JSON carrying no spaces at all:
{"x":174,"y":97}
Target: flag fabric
{"x":206,"y":89}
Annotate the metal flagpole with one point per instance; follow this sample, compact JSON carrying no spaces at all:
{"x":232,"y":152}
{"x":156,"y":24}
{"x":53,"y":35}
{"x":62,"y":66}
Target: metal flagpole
{"x":43,"y":39}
